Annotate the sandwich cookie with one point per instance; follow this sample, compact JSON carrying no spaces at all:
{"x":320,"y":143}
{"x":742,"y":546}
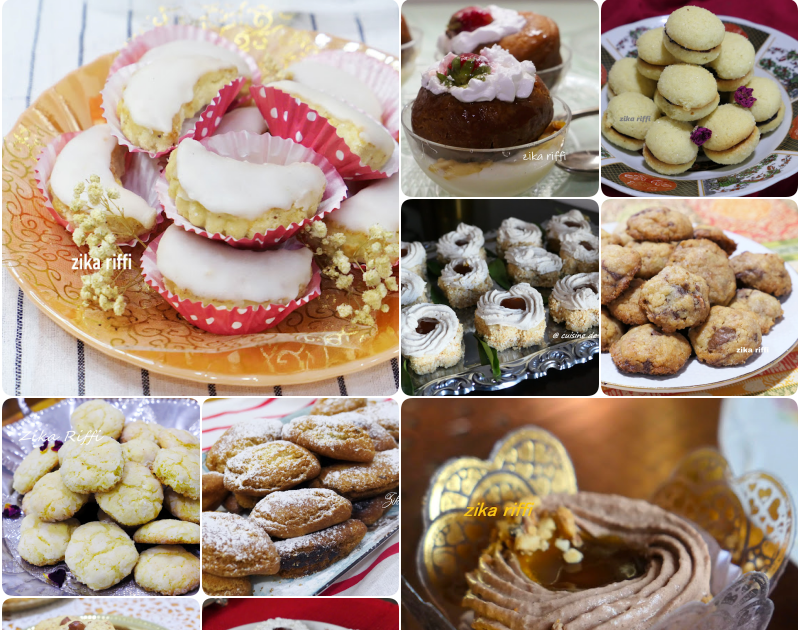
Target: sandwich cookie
{"x":764,"y":102}
{"x":686,"y":92}
{"x":693,"y":35}
{"x":653,"y":56}
{"x":627,"y":120}
{"x":668,"y":147}
{"x":624,"y":77}
{"x":734,"y":134}
{"x":734,"y":66}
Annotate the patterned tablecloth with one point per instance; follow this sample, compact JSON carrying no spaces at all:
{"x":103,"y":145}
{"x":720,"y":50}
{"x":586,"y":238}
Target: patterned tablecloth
{"x":771,"y":222}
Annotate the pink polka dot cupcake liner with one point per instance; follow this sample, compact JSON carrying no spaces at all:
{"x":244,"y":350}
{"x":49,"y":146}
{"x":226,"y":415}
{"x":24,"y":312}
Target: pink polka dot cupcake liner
{"x":224,"y":321}
{"x":141,"y":175}
{"x":261,"y":149}
{"x":288,"y":117}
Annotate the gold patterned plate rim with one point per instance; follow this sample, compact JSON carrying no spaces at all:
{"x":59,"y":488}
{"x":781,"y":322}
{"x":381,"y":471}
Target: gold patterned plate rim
{"x":120,"y":622}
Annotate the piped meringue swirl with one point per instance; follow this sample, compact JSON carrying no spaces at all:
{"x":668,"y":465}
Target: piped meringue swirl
{"x":504,"y":22}
{"x":412,"y":287}
{"x":578,"y":292}
{"x":414,"y":255}
{"x":581,"y":245}
{"x":473,"y":278}
{"x":571,"y":221}
{"x":491,"y":310}
{"x":535,"y":259}
{"x":463,"y":242}
{"x":514,"y":231}
{"x":414,"y":320}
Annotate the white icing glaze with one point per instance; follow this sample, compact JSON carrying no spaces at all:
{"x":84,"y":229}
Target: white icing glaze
{"x":415,"y":255}
{"x":474,"y":278}
{"x":89,"y":153}
{"x":412,"y":287}
{"x":508,"y":80}
{"x":556,"y":227}
{"x":493,"y":313}
{"x":155,"y":92}
{"x":337,"y":83}
{"x":217,"y":271}
{"x":574,"y":293}
{"x":377,"y":203}
{"x":572,"y":244}
{"x":514,"y":231}
{"x":243,"y":189}
{"x":418,"y":345}
{"x":278,"y":622}
{"x":448,"y":245}
{"x":370,"y":130}
{"x":194,"y":48}
{"x":504,"y":22}
{"x":535,"y":259}
{"x":242,"y":119}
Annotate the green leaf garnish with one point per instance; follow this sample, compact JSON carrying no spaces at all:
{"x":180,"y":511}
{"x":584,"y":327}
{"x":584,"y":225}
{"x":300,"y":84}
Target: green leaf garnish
{"x":435,"y":268}
{"x":488,"y":356}
{"x":497,"y":270}
{"x":406,"y":384}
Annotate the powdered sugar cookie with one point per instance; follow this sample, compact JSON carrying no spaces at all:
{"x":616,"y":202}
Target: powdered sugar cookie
{"x":140,"y":430}
{"x":168,"y":570}
{"x":240,"y":436}
{"x":168,"y":532}
{"x":235,"y":546}
{"x":100,"y":555}
{"x":98,"y":416}
{"x":270,"y":467}
{"x":215,"y":585}
{"x":43,"y":543}
{"x":175,"y":438}
{"x":140,"y":450}
{"x":33,"y":467}
{"x":180,"y":470}
{"x":182,"y":507}
{"x":362,"y":481}
{"x":137,"y":499}
{"x":94,"y":467}
{"x":50,"y":500}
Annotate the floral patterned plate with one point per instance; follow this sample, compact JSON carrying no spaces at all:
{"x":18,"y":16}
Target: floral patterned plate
{"x":775,"y":158}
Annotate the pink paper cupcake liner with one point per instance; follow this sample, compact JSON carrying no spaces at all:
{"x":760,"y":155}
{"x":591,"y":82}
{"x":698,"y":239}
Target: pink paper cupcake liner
{"x":203,"y":127}
{"x":141,"y":175}
{"x":382,"y":79}
{"x":222,"y":321}
{"x":288,"y":117}
{"x":259,"y":149}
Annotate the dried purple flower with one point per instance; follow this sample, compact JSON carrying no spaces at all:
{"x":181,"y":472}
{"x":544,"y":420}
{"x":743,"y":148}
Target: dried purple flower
{"x":43,"y":447}
{"x":57,"y":445}
{"x":11,"y":511}
{"x":57,"y":577}
{"x":700,"y":135}
{"x":744,"y":96}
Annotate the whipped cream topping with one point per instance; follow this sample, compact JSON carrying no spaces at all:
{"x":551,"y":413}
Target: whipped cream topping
{"x":412,"y":255}
{"x":412,"y":287}
{"x":578,"y":292}
{"x":509,"y":79}
{"x":571,"y":221}
{"x":427,"y":329}
{"x":492,"y":311}
{"x":504,"y":22}
{"x":513,"y":232}
{"x":463,"y":242}
{"x":534,"y":259}
{"x":581,"y":245}
{"x":469,"y":273}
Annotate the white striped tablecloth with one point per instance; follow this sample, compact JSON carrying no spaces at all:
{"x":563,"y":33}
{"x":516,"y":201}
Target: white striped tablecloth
{"x":44,"y":40}
{"x":378,"y":573}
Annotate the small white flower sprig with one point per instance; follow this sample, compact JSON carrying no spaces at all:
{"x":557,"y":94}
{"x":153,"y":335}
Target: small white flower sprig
{"x":90,"y":215}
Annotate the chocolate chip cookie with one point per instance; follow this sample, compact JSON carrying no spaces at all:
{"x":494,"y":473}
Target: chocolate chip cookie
{"x":626,"y":307}
{"x":766,"y":307}
{"x":654,"y":256}
{"x":607,"y":238}
{"x":716,"y":235}
{"x":660,"y":224}
{"x":765,"y":272}
{"x":675,"y":299}
{"x":618,"y":266}
{"x":728,"y":337}
{"x":707,"y":260}
{"x":648,"y":350}
{"x":611,"y":330}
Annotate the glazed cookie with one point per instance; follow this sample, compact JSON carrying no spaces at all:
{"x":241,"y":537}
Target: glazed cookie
{"x":332,"y":436}
{"x":270,"y":467}
{"x":626,"y":307}
{"x":413,"y":258}
{"x":463,"y":242}
{"x":764,"y":103}
{"x":35,"y":465}
{"x":167,"y":570}
{"x":95,"y":467}
{"x":240,"y":436}
{"x":514,"y":232}
{"x":611,"y":330}
{"x":618,"y":266}
{"x":686,"y":92}
{"x":182,"y":507}
{"x":668,"y":147}
{"x":50,"y":500}
{"x":180,"y":470}
{"x":575,"y":301}
{"x":137,"y":499}
{"x":625,"y":77}
{"x":140,"y":430}
{"x":628,"y":118}
{"x":293,"y":513}
{"x":693,"y":35}
{"x":652,"y":55}
{"x":43,"y":544}
{"x":533,"y":265}
{"x":733,"y":67}
{"x":715,"y":235}
{"x":728,"y":337}
{"x":140,"y":450}
{"x":660,"y":225}
{"x":675,"y":299}
{"x":580,"y":252}
{"x":734,"y":134}
{"x":362,"y":481}
{"x":765,"y":272}
{"x":100,"y":555}
{"x":217,"y":586}
{"x":235,"y":546}
{"x":177,"y":438}
{"x":766,"y":307}
{"x":707,"y":260}
{"x":648,"y":350}
{"x":464,"y":281}
{"x":168,"y":532}
{"x":97,"y":416}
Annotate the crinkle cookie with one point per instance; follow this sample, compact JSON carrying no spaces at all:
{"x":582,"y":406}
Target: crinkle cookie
{"x":167,"y":531}
{"x":626,"y":307}
{"x":33,"y":467}
{"x":50,"y":500}
{"x":99,"y":416}
{"x":648,"y":350}
{"x":43,"y":543}
{"x":137,"y":499}
{"x":728,"y":337}
{"x":94,"y":467}
{"x":765,"y":272}
{"x":182,"y":507}
{"x":714,"y":234}
{"x":235,"y":546}
{"x":243,"y":435}
{"x":177,"y":438}
{"x":141,"y":451}
{"x":140,"y":430}
{"x":766,"y":307}
{"x":167,"y":570}
{"x":660,"y":225}
{"x":180,"y":470}
{"x":611,"y":330}
{"x":105,"y":518}
{"x":67,"y":450}
{"x":618,"y":266}
{"x":218,"y":586}
{"x":675,"y":299}
{"x":100,"y":555}
{"x":333,"y":436}
{"x":654,"y":256}
{"x":707,"y":260}
{"x":270,"y":467}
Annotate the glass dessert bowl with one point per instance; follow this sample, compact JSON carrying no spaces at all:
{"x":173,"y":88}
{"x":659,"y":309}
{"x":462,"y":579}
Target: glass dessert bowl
{"x":553,"y":76}
{"x":409,"y":53}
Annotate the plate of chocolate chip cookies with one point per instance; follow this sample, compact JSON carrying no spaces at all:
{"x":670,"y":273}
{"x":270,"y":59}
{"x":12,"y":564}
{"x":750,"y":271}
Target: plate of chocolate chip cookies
{"x":690,"y":307}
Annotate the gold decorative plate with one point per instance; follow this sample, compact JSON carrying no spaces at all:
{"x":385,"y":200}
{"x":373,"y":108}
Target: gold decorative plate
{"x":311,"y":344}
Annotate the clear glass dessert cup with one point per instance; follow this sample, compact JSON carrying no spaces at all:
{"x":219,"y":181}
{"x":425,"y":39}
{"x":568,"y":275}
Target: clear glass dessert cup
{"x":409,"y":53}
{"x":552,"y":77}
{"x":489,"y":172}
